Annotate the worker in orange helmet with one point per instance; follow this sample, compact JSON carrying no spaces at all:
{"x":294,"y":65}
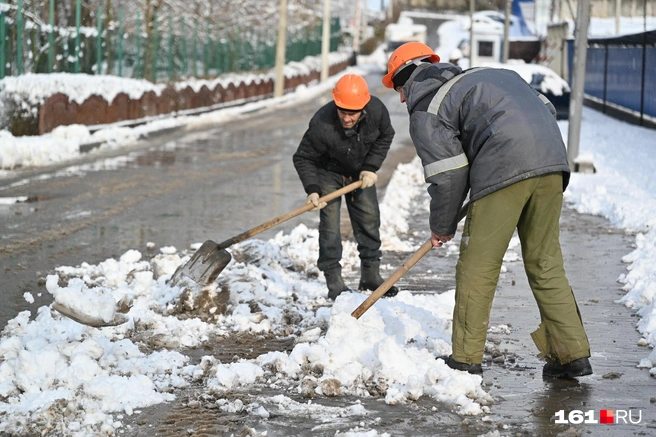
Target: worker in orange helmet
{"x":487,"y":133}
{"x":347,"y":140}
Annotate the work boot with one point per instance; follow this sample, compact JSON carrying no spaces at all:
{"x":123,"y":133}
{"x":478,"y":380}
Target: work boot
{"x":370,"y":278}
{"x":574,"y":369}
{"x":474,"y":369}
{"x":335,"y":283}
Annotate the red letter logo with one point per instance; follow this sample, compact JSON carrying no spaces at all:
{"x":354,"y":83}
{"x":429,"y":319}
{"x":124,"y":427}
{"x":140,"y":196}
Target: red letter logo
{"x":607,"y":416}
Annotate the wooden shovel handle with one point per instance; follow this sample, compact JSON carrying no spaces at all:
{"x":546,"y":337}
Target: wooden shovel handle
{"x":364,"y":306}
{"x":419,"y":254}
{"x":283,"y":218}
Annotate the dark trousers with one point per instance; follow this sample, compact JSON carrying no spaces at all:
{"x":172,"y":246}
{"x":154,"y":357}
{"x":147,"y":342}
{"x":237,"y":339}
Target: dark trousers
{"x":364,"y":213}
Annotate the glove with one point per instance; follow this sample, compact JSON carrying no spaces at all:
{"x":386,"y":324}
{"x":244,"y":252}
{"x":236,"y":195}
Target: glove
{"x":314,"y":200}
{"x":368,"y":178}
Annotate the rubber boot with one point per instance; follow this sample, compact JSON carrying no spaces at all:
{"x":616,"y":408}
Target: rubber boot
{"x":370,"y":278}
{"x":335,"y":283}
{"x":574,"y":369}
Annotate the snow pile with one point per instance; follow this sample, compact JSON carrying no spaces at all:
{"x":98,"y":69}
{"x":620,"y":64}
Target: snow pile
{"x":34,"y":89}
{"x":76,"y":380}
{"x":623,"y":193}
{"x":406,"y":184}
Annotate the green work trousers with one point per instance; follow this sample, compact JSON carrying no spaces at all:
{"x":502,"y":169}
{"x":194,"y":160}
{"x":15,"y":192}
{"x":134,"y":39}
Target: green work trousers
{"x":533,"y":207}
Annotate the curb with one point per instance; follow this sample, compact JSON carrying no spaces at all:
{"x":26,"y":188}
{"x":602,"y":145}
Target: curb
{"x":85,"y":148}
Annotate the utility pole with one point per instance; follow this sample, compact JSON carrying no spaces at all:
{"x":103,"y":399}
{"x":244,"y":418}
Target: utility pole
{"x":618,"y":14}
{"x":356,"y":31}
{"x":364,"y":22}
{"x":578,"y":81}
{"x":325,"y":40}
{"x":279,"y":82}
{"x":472,"y":9}
{"x":506,"y":32}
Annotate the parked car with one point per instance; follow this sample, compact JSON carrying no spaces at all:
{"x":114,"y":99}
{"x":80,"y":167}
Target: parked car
{"x":544,"y":80}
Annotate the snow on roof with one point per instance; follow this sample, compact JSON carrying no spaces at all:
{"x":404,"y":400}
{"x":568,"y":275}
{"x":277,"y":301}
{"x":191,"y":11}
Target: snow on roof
{"x":404,"y":30}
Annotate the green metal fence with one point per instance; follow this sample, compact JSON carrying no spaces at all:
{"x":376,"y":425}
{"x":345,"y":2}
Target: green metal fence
{"x":170,"y":48}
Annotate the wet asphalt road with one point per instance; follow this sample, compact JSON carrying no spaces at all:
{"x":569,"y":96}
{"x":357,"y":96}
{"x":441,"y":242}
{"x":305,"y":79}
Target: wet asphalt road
{"x":174,"y":190}
{"x":186,"y":187}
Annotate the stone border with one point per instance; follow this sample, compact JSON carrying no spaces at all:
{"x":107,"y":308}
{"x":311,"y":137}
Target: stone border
{"x":57,"y":110}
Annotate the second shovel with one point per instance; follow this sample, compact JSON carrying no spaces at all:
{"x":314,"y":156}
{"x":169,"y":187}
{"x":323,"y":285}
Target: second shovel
{"x":211,"y":258}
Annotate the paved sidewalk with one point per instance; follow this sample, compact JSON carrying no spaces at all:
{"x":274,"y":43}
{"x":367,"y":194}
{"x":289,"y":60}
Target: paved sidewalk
{"x":525,"y":403}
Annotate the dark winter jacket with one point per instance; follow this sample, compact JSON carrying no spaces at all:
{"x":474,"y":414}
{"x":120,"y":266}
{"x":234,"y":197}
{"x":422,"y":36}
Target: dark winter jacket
{"x":326,"y":144}
{"x":483,"y":130}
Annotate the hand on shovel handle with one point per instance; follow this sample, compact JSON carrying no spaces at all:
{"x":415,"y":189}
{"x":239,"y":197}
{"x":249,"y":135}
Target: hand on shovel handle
{"x":283,"y":218}
{"x":419,"y":254}
{"x":380,"y":291}
{"x":211,"y":258}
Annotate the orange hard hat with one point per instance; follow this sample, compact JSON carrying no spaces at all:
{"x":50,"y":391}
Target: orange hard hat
{"x":351,"y":92}
{"x":405,"y":54}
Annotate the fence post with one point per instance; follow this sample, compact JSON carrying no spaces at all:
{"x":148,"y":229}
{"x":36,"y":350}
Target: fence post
{"x":99,"y":41}
{"x":219,"y":48}
{"x":51,"y":37}
{"x":19,"y":38}
{"x":240,"y":48}
{"x":644,"y":67}
{"x":227,"y":51}
{"x":120,"y":42}
{"x":195,"y":66}
{"x":3,"y":29}
{"x":78,"y":18}
{"x":138,"y":66}
{"x":605,"y":75}
{"x":170,"y":68}
{"x":206,"y":49}
{"x":155,"y":47}
{"x":183,"y":26}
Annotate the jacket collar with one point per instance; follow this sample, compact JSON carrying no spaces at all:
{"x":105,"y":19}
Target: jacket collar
{"x":426,"y":79}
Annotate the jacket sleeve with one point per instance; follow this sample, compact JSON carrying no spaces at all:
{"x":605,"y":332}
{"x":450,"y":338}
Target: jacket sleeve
{"x":446,"y":169}
{"x":306,"y":159}
{"x":378,"y":151}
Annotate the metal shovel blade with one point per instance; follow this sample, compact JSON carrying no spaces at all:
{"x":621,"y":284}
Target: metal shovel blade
{"x":204,"y":266}
{"x":84,"y":319}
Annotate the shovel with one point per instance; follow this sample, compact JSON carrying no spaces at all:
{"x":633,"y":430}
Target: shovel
{"x":88,"y":320}
{"x":419,"y":254}
{"x":211,"y":258}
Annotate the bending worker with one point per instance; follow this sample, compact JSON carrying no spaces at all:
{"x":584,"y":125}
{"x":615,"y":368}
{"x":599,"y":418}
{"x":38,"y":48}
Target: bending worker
{"x":487,"y":132}
{"x":347,"y":139}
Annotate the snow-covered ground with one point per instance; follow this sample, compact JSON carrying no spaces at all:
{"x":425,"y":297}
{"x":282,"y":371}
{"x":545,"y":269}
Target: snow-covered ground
{"x":85,"y":380}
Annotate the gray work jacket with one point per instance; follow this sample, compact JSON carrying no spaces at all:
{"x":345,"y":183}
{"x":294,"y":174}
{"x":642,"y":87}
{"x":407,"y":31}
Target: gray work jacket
{"x":482,"y":131}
